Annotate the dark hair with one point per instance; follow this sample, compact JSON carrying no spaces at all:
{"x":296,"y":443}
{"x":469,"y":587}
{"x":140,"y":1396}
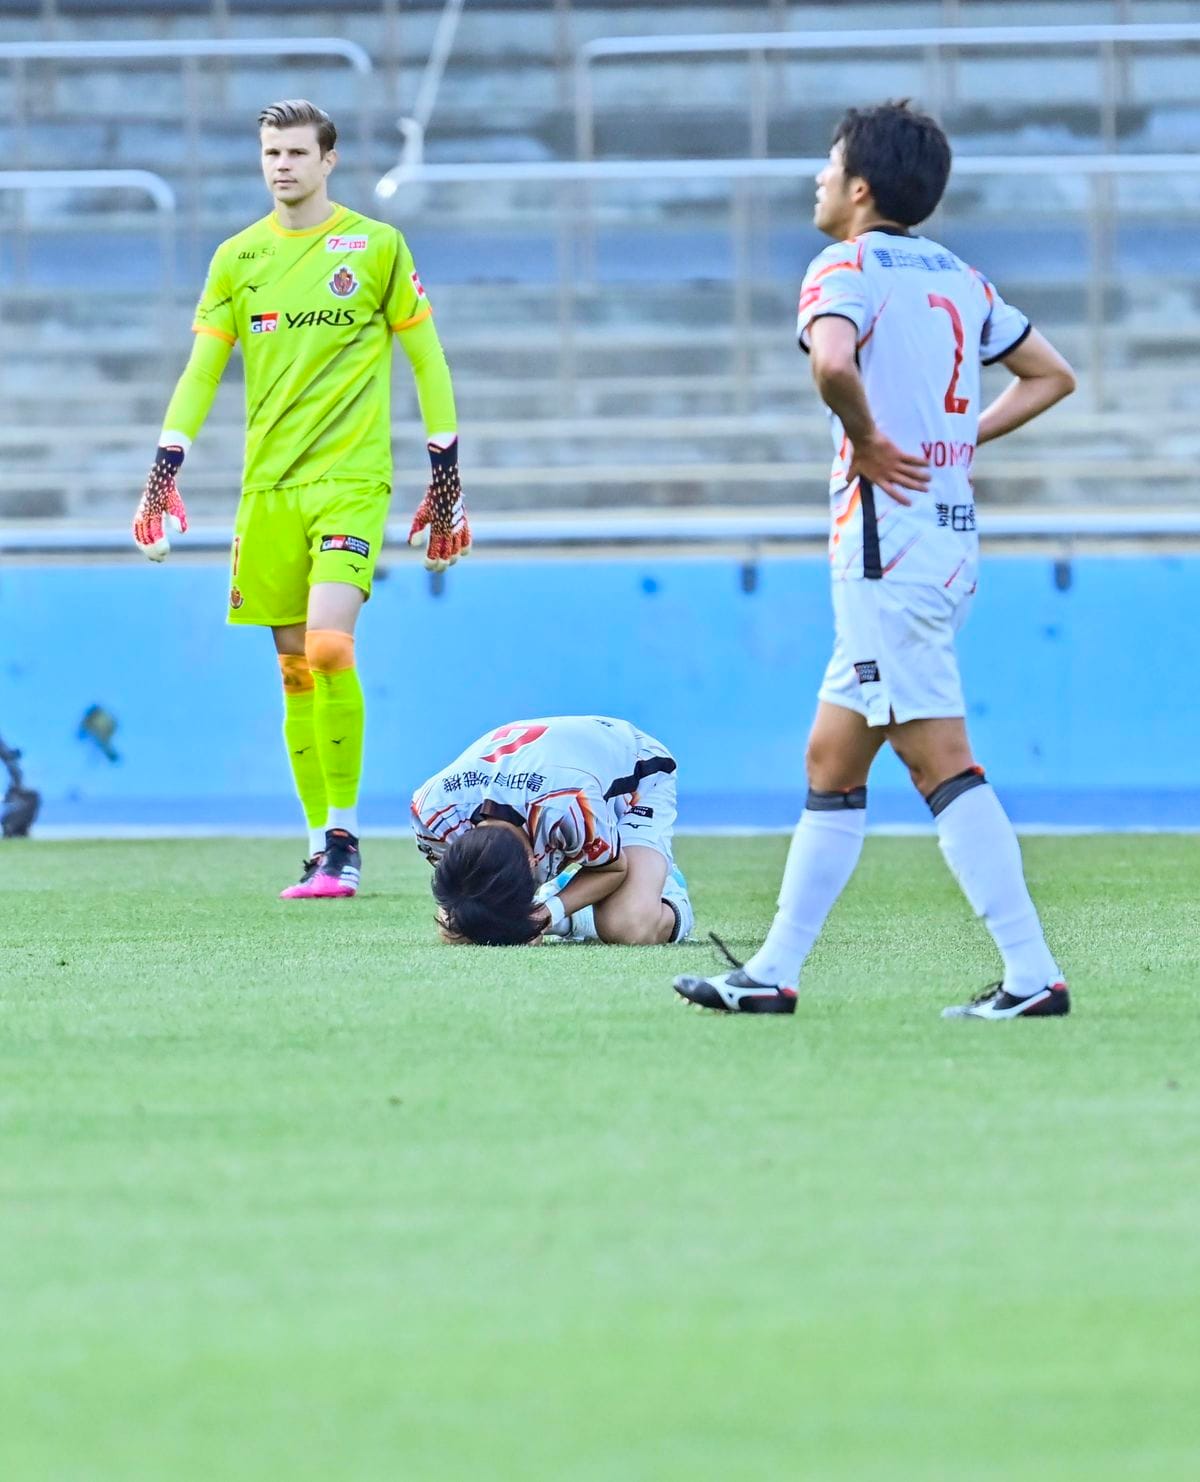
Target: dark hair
{"x":903,"y":156}
{"x":298,"y":111}
{"x":485,"y":888}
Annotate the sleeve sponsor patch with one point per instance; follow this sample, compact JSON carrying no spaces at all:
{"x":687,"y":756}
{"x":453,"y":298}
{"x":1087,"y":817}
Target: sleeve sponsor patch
{"x":352,"y":543}
{"x":416,"y":283}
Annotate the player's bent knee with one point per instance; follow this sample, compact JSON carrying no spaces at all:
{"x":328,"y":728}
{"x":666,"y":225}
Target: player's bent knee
{"x":328,"y":651}
{"x":821,"y":764}
{"x":826,"y":770}
{"x":629,"y":927}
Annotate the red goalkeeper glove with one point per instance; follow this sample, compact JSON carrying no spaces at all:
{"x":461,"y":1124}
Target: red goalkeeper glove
{"x":160,"y":503}
{"x":440,"y":523}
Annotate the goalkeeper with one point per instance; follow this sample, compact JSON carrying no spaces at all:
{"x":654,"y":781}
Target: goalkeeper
{"x":314,"y":293}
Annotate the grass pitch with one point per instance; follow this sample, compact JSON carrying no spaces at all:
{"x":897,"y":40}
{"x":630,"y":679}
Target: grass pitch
{"x":289,"y":1191}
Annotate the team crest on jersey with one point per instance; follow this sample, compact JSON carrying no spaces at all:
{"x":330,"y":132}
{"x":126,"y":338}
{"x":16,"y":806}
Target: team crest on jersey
{"x":343,"y":283}
{"x":264,"y":323}
{"x":345,"y":244}
{"x":235,"y":597}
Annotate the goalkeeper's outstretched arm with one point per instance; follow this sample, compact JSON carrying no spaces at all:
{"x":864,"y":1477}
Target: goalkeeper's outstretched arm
{"x":160,"y":504}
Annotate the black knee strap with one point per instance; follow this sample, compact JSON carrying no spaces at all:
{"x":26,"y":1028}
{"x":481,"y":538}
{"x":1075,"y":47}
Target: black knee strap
{"x":954,"y":787}
{"x":829,"y":802}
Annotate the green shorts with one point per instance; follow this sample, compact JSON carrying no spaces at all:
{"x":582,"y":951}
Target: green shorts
{"x":287,"y":539}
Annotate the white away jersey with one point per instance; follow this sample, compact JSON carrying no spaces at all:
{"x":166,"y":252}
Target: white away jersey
{"x":566,"y":780}
{"x":926,"y":322}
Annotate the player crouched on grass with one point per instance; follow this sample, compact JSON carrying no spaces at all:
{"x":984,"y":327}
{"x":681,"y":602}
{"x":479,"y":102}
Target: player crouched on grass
{"x":897,"y":327}
{"x":558,"y":827}
{"x":314,"y":293}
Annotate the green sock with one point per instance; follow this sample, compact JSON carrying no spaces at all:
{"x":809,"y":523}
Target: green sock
{"x":339,"y":718}
{"x":300,"y":736}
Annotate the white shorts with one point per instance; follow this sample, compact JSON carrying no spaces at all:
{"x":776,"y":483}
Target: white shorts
{"x":650,"y":823}
{"x":893,"y":652}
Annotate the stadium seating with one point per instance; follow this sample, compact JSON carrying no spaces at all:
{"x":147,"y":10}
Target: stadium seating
{"x":549,"y":370}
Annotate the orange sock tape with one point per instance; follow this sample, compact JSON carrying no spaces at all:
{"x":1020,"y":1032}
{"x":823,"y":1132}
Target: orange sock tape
{"x":297,"y":676}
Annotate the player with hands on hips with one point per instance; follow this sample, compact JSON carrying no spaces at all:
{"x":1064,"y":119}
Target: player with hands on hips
{"x":897,"y":327}
{"x":315,"y":294}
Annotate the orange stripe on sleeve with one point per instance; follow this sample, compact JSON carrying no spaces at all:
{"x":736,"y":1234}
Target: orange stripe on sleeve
{"x":834,"y":267}
{"x":217,"y":334}
{"x":416,"y":319}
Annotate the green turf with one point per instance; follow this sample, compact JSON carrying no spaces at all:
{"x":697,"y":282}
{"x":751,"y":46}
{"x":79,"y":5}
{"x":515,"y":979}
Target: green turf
{"x":292,"y":1192}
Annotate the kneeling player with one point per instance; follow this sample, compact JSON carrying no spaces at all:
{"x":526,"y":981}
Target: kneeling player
{"x":559,"y":826}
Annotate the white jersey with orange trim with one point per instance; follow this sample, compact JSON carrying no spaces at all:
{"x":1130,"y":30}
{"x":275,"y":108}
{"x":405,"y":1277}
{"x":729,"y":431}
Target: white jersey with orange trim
{"x":567,"y":780}
{"x":926,"y":321}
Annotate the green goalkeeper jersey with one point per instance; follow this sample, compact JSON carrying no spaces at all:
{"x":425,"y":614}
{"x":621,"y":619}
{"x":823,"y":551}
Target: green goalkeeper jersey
{"x":314,"y":312}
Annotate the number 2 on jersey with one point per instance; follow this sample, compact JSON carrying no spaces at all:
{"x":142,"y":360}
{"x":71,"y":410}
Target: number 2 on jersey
{"x":523,"y":738}
{"x":954,"y":403}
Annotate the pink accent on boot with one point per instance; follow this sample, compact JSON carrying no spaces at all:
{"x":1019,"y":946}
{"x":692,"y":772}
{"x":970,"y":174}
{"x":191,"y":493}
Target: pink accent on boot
{"x":327,"y":887}
{"x":298,"y":892}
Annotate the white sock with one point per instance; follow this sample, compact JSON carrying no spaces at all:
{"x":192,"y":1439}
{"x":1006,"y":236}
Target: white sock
{"x":980,"y":846}
{"x":583,"y":925}
{"x":316,"y":840}
{"x":675,"y":894}
{"x":825,"y":849}
{"x":346,"y":818}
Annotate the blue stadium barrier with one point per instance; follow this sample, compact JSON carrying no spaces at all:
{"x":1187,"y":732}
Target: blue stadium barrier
{"x":1078,"y":677}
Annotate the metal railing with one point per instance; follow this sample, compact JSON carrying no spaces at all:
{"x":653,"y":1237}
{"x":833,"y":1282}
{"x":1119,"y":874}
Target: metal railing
{"x":413,"y":125}
{"x":187,"y":53}
{"x":940,"y":45}
{"x":575,"y":227}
